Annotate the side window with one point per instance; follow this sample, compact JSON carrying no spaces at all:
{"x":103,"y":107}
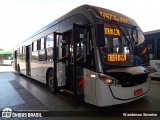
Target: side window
{"x":21,"y":50}
{"x":39,"y":44}
{"x":150,"y":51}
{"x":42,"y":55}
{"x":42,"y":43}
{"x":21,"y":53}
{"x":35,"y":46}
{"x":150,"y":46}
{"x":49,"y":41}
{"x":35,"y":56}
{"x":34,"y":51}
{"x":50,"y":54}
{"x":32,"y":46}
{"x":158,"y":49}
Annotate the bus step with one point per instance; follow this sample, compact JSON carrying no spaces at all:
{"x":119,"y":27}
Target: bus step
{"x":68,"y":91}
{"x":79,"y":92}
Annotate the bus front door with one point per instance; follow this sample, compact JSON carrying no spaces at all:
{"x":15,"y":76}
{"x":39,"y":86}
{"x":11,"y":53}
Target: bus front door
{"x":59,"y":64}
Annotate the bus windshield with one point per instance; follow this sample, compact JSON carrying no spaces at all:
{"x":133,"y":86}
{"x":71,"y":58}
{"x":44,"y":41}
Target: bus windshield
{"x":124,"y":46}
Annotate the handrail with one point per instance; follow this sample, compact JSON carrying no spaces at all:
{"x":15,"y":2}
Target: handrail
{"x":79,"y":58}
{"x":68,"y":56}
{"x":63,"y":57}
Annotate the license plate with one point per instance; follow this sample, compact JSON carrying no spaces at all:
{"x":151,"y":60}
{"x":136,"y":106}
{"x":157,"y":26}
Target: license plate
{"x":138,"y":92}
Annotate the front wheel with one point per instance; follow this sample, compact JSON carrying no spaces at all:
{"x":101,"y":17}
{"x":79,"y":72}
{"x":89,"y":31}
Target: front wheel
{"x":50,"y":80}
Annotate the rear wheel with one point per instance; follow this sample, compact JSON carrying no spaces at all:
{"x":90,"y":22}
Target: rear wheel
{"x":50,"y":80}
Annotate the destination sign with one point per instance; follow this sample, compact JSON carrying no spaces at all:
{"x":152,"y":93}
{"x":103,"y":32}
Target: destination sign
{"x":116,"y":57}
{"x":112,"y":31}
{"x":113,"y":17}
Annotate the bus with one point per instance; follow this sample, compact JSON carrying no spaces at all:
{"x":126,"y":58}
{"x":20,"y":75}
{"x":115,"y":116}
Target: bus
{"x":152,"y":39}
{"x":91,"y":52}
{"x":6,"y":57}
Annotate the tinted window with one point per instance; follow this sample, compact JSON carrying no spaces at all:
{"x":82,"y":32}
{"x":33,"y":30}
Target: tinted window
{"x":42,"y":43}
{"x":35,"y":56}
{"x":49,"y":41}
{"x":39,"y":44}
{"x":35,"y":46}
{"x":21,"y":53}
{"x":42,"y":55}
{"x":150,"y":46}
{"x":158,"y":49}
{"x":50,"y":54}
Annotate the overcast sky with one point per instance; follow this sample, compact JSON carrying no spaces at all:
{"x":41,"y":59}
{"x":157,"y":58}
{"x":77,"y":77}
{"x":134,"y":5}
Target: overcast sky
{"x":21,"y":18}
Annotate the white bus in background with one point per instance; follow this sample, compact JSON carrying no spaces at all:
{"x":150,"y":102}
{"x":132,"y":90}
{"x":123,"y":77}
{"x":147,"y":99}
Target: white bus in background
{"x":91,"y":51}
{"x":7,"y":62}
{"x":6,"y":58}
{"x":152,"y":39}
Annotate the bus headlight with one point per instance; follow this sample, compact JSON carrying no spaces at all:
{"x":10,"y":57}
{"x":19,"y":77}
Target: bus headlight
{"x":109,"y":80}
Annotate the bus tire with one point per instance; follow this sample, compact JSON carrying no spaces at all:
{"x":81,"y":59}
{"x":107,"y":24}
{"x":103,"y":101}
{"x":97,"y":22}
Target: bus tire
{"x":50,"y":80}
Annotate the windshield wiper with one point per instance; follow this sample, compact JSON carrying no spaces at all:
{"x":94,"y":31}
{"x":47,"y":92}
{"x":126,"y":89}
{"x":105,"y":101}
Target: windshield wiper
{"x":134,"y":28}
{"x":112,"y":21}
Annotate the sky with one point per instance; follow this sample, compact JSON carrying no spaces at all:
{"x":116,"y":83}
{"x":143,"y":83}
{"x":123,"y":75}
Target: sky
{"x":21,"y":18}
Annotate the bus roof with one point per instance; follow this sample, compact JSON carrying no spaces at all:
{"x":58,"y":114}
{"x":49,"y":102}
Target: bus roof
{"x":92,"y":13}
{"x":86,"y":10}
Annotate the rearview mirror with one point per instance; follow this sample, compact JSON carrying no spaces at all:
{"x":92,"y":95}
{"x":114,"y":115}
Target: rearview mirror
{"x":100,"y":39}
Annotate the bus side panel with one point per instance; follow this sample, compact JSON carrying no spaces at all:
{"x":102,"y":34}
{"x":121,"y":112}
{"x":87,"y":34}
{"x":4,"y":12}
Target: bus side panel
{"x":103,"y":94}
{"x":96,"y":92}
{"x":39,"y":70}
{"x":22,"y":65}
{"x":89,"y":87}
